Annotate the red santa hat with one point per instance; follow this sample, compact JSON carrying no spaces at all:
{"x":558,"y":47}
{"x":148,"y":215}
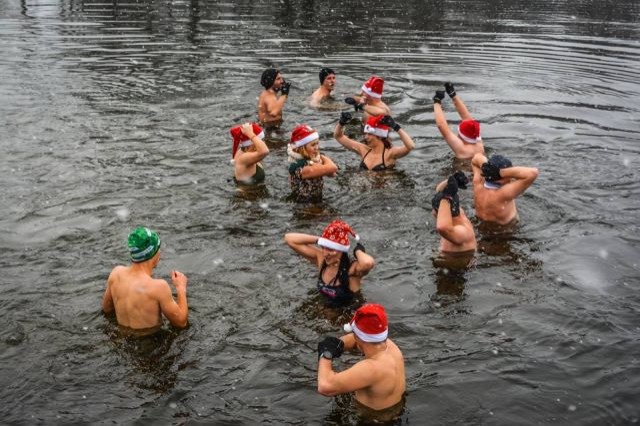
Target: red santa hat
{"x":302,"y":135}
{"x":369,"y":323}
{"x":336,"y":236}
{"x":376,"y":128}
{"x":469,"y":131}
{"x":373,"y":87}
{"x":242,"y":140}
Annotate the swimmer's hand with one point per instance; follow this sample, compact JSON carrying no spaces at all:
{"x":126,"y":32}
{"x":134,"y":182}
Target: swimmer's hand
{"x":247,"y":130}
{"x":451,"y":91}
{"x":438,"y":97}
{"x":179,"y":279}
{"x":387,"y":120}
{"x":490,"y":172}
{"x":451,"y":189}
{"x":358,"y":247}
{"x":461,"y":178}
{"x":284,"y":90}
{"x":357,"y":105}
{"x":332,"y":345}
{"x":345,"y":117}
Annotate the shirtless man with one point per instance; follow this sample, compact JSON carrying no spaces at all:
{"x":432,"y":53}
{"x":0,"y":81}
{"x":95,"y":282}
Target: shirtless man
{"x":496,"y":185}
{"x":327,"y":83}
{"x":270,"y":106}
{"x":137,"y":298}
{"x":370,"y":99}
{"x":455,"y":228}
{"x":468,"y":141}
{"x":379,"y":380}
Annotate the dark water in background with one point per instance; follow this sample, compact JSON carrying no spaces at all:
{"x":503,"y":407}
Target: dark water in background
{"x":117,"y":114}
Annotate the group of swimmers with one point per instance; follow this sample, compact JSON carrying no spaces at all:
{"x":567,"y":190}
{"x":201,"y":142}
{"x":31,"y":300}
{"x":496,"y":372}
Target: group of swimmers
{"x":378,"y":381}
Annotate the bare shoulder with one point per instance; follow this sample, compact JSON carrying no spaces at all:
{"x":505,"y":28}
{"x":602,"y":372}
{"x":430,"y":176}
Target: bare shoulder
{"x":117,"y":271}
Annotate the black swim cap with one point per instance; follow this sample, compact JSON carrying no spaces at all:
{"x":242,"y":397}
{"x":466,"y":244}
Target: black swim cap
{"x":454,"y":202}
{"x":324,"y":73}
{"x":500,"y":162}
{"x":269,"y":77}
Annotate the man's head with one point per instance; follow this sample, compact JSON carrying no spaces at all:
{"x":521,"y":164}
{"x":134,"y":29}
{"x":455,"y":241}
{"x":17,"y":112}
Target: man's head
{"x":143,"y":244}
{"x":271,"y":78}
{"x":369,"y":324}
{"x":327,"y":78}
{"x":491,"y":171}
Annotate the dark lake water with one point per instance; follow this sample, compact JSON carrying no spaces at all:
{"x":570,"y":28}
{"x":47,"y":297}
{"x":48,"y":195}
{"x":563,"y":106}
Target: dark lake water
{"x":115,"y":114}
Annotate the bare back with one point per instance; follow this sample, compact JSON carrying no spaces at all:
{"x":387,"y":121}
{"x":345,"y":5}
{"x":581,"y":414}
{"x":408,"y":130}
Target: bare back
{"x":492,"y":205}
{"x":136,"y":297}
{"x":388,"y":368}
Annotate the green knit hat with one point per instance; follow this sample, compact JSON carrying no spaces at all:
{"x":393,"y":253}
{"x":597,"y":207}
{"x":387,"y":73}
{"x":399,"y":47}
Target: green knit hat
{"x":143,"y":244}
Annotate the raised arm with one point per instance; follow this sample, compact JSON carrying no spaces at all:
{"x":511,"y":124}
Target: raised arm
{"x":457,"y":102}
{"x":364,"y":262}
{"x":444,"y":224}
{"x":454,"y":142}
{"x":407,"y":142}
{"x":476,"y":167}
{"x":252,"y":157}
{"x":176,"y":312}
{"x":344,"y":140}
{"x":522,"y":178}
{"x":326,"y":167}
{"x":304,"y":244}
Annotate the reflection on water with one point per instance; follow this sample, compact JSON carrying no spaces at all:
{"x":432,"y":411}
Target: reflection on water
{"x":152,"y":358}
{"x":315,"y":307}
{"x":347,"y":411}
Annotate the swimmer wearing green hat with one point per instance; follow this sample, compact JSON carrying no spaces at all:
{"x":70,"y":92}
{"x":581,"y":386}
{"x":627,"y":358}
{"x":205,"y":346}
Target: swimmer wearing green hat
{"x":138,"y":299}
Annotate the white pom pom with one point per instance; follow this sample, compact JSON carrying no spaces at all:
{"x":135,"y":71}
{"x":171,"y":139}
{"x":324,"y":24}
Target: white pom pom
{"x":348,"y":328}
{"x":356,"y":237}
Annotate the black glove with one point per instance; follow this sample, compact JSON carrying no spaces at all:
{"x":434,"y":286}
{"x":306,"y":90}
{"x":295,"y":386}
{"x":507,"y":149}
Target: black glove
{"x":330,"y":347}
{"x":387,"y":120}
{"x":358,"y":247}
{"x":345,"y":117}
{"x":438,"y":97}
{"x":490,"y":172}
{"x":461,"y":178}
{"x":451,"y":189}
{"x":285,"y":88}
{"x":356,"y":105}
{"x":451,"y":91}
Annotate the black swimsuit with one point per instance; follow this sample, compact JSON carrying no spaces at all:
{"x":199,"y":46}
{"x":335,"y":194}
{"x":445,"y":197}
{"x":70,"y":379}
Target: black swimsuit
{"x":380,"y":167}
{"x":335,"y":294}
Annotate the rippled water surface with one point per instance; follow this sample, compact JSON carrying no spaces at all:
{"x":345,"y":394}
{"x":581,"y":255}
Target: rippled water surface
{"x":115,"y":114}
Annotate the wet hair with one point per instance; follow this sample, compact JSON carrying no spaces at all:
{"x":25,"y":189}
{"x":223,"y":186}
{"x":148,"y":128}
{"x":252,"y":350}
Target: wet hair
{"x":324,"y":73}
{"x":454,"y":202}
{"x":343,"y":268}
{"x":268,"y":77}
